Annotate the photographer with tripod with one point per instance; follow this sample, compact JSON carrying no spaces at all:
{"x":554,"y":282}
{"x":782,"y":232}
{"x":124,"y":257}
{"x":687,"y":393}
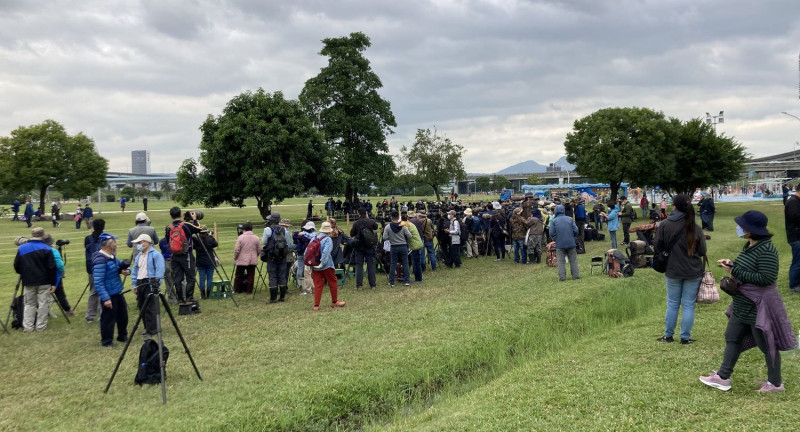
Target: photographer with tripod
{"x":106,"y":268}
{"x":37,"y":269}
{"x":147,"y":273}
{"x":179,"y":236}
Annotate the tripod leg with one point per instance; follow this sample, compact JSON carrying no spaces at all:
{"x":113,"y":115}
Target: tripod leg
{"x":8,"y":317}
{"x":74,"y":308}
{"x":127,"y":344}
{"x":180,"y":335}
{"x":55,"y":300}
{"x":161,"y":361}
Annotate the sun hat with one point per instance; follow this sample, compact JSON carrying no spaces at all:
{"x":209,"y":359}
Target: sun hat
{"x":468,"y":211}
{"x":309,"y":226}
{"x":37,"y":234}
{"x":285,"y":223}
{"x":143,"y":237}
{"x":411,"y":214}
{"x":325,"y":228}
{"x":753,"y":222}
{"x":141,"y":216}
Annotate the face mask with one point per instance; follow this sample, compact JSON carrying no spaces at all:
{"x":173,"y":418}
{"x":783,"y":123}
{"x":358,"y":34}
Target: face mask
{"x":739,"y":231}
{"x":139,"y":247}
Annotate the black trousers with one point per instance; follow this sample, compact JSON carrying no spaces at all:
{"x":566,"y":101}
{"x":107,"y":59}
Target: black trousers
{"x":149,"y":316}
{"x":278,"y":273}
{"x":61,"y":296}
{"x":626,"y":234}
{"x":455,"y":255}
{"x":734,"y":335}
{"x":368,"y":257}
{"x":118,"y":314}
{"x":183,"y":267}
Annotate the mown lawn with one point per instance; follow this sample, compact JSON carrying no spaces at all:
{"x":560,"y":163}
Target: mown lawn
{"x":406,"y":358}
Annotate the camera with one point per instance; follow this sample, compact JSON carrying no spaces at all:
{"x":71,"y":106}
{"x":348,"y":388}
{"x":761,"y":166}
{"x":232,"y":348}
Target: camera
{"x":60,"y":243}
{"x":125,"y":264}
{"x":187,"y":216}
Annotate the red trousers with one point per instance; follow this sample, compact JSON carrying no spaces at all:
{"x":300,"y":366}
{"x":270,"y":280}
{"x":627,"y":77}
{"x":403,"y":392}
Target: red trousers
{"x":319,"y":277}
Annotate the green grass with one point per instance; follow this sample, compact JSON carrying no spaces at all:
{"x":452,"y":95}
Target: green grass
{"x":485,"y":347}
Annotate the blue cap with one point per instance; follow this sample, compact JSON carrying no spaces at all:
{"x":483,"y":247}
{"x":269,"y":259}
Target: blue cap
{"x":106,"y":236}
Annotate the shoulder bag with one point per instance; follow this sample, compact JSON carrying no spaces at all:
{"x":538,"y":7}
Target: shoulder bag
{"x":661,"y":259}
{"x":707,"y":292}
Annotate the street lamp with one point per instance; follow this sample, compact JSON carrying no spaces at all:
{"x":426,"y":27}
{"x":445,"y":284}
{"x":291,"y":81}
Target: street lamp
{"x":713,"y":120}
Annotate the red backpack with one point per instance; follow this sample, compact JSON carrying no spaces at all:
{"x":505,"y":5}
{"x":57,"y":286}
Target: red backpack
{"x":313,"y":253}
{"x":178,"y":242}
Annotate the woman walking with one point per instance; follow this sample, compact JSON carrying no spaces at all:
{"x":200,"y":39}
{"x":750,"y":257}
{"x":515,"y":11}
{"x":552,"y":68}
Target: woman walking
{"x":680,"y":235}
{"x":756,"y":315}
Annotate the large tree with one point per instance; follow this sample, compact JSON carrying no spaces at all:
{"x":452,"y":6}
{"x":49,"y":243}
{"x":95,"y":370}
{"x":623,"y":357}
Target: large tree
{"x":261,"y":146}
{"x":500,"y":182}
{"x":613,"y":145}
{"x":483,"y":183}
{"x":535,"y":179}
{"x":703,"y":158}
{"x":45,"y":155}
{"x":344,"y":102}
{"x":434,"y":159}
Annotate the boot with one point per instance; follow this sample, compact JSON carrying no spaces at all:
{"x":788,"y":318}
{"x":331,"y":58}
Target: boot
{"x":273,"y":295}
{"x":538,"y":256}
{"x":283,"y":289}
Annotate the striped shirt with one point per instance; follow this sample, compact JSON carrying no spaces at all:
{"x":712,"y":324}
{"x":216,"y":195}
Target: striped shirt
{"x":757,"y":265}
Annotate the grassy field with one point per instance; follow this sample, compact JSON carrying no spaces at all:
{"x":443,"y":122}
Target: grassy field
{"x":492,"y":346}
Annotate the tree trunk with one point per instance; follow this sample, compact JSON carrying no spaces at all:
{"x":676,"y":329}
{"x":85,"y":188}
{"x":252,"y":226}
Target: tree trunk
{"x":264,"y":207}
{"x":42,"y":193}
{"x":349,"y":192}
{"x":436,"y":191}
{"x":614,"y":185}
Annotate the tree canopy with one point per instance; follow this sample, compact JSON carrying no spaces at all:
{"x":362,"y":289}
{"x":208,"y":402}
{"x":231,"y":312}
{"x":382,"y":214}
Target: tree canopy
{"x":40,"y":156}
{"x":535,"y":179}
{"x":483,"y":183}
{"x":344,"y":103}
{"x":702,"y":158}
{"x":261,"y":146}
{"x":613,"y":145}
{"x":500,"y":182}
{"x":434,"y":159}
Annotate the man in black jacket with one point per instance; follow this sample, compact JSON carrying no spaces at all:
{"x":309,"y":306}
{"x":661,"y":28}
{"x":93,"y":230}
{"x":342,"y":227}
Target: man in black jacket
{"x":364,"y":253}
{"x":37,"y":269}
{"x":791,"y":213}
{"x":183,"y":264}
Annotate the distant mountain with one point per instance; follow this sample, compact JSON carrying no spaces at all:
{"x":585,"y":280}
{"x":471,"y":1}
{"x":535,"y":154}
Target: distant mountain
{"x":531,"y":166}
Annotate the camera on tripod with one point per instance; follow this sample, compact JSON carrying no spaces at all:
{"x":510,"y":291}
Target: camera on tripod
{"x":187,"y":216}
{"x":125,"y":264}
{"x":62,"y":242}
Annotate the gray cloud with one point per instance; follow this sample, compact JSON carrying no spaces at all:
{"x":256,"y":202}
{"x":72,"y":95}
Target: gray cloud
{"x":504,"y":78}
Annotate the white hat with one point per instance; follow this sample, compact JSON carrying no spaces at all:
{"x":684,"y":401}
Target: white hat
{"x":143,"y":237}
{"x":141,"y":217}
{"x":326,"y":227}
{"x":496,"y":205}
{"x":309,"y":226}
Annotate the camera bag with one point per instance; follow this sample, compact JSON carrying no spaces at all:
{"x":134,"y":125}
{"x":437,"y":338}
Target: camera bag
{"x":149,"y":371}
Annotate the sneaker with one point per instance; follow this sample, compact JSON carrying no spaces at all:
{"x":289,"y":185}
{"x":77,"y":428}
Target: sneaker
{"x":315,"y":308}
{"x":372,"y":287}
{"x":391,"y":285}
{"x":665,"y":339}
{"x":111,"y":345}
{"x":715,"y":381}
{"x":89,"y":320}
{"x":407,"y":284}
{"x":687,"y":341}
{"x":339,"y":303}
{"x":768,"y":387}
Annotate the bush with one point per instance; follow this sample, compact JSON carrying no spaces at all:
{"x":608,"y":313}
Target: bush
{"x":111,"y":198}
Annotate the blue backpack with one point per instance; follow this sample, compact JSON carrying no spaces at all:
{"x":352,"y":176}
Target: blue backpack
{"x":476,"y":227}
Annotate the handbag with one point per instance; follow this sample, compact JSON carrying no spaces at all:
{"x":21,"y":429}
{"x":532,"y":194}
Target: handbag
{"x":729,"y":285}
{"x":661,"y":259}
{"x":707,"y":292}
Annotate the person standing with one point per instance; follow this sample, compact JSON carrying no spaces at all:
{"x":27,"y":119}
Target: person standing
{"x":61,"y":296}
{"x":785,"y":189}
{"x":626,"y":218}
{"x":245,"y":256}
{"x":310,"y":211}
{"x":29,"y":212}
{"x":707,"y":211}
{"x":643,"y":204}
{"x":415,"y":244}
{"x":183,"y":264}
{"x":427,"y":241}
{"x":122,"y":202}
{"x":146,"y":277}
{"x":325,"y":272}
{"x":519,"y":228}
{"x":498,"y":230}
{"x":277,"y":270}
{"x":204,"y":245}
{"x":144,"y":203}
{"x":580,"y":216}
{"x":563,"y":230}
{"x":399,"y":237}
{"x":454,"y":230}
{"x":473,"y":227}
{"x":756,"y":315}
{"x":88,"y":214}
{"x":791,"y":213}
{"x":91,"y":245}
{"x":598,"y":210}
{"x":680,"y":235}
{"x":15,"y":207}
{"x":142,"y":226}
{"x":55,"y":214}
{"x":78,"y":217}
{"x":106,"y":270}
{"x":36,"y":266}
{"x":612,"y":223}
{"x":365,"y":248}
{"x":534,"y":236}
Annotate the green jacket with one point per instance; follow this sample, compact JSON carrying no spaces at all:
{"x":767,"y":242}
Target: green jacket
{"x":416,"y":241}
{"x":625,"y":213}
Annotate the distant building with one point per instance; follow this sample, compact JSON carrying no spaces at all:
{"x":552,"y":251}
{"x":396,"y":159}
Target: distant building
{"x":140,"y":162}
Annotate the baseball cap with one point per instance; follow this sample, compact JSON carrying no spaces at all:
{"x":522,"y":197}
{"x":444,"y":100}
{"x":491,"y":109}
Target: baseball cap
{"x":106,"y":236}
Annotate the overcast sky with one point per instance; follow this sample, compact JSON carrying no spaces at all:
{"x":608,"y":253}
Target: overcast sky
{"x":505,"y":79}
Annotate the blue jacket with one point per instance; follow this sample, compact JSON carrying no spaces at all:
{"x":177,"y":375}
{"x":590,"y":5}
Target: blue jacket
{"x":563,"y":229}
{"x":155,"y":266}
{"x":35,"y":264}
{"x":28,"y":210}
{"x":613,"y":218}
{"x":325,"y":261}
{"x":580,"y":212}
{"x":88,"y":212}
{"x":105,"y":271}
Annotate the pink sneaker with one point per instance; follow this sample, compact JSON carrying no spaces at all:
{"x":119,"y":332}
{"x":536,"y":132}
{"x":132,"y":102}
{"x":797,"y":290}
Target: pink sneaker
{"x":338,"y":304}
{"x":715,"y":381}
{"x":315,"y":308}
{"x":768,"y":387}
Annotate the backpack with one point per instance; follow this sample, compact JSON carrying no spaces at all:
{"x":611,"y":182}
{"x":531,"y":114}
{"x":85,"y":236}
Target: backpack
{"x":18,"y":312}
{"x":149,"y":365}
{"x":463,"y":232}
{"x":367,"y":239}
{"x":551,"y":255}
{"x":476,"y":225}
{"x":178,"y":242}
{"x":313,"y":254}
{"x":580,"y":247}
{"x":636,"y":253}
{"x":617,"y":264}
{"x":276,"y":246}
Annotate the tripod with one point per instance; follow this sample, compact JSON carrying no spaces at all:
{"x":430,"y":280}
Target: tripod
{"x":14,"y":297}
{"x":217,"y":267}
{"x":153,"y":295}
{"x":261,"y":278}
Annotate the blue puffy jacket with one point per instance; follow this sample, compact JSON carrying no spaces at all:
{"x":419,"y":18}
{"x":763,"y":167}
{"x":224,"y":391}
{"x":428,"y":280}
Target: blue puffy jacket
{"x":105,"y":271}
{"x":613,"y":218}
{"x":563,"y":229}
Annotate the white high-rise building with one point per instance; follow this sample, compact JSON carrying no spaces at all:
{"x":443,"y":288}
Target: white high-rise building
{"x":140,"y":161}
